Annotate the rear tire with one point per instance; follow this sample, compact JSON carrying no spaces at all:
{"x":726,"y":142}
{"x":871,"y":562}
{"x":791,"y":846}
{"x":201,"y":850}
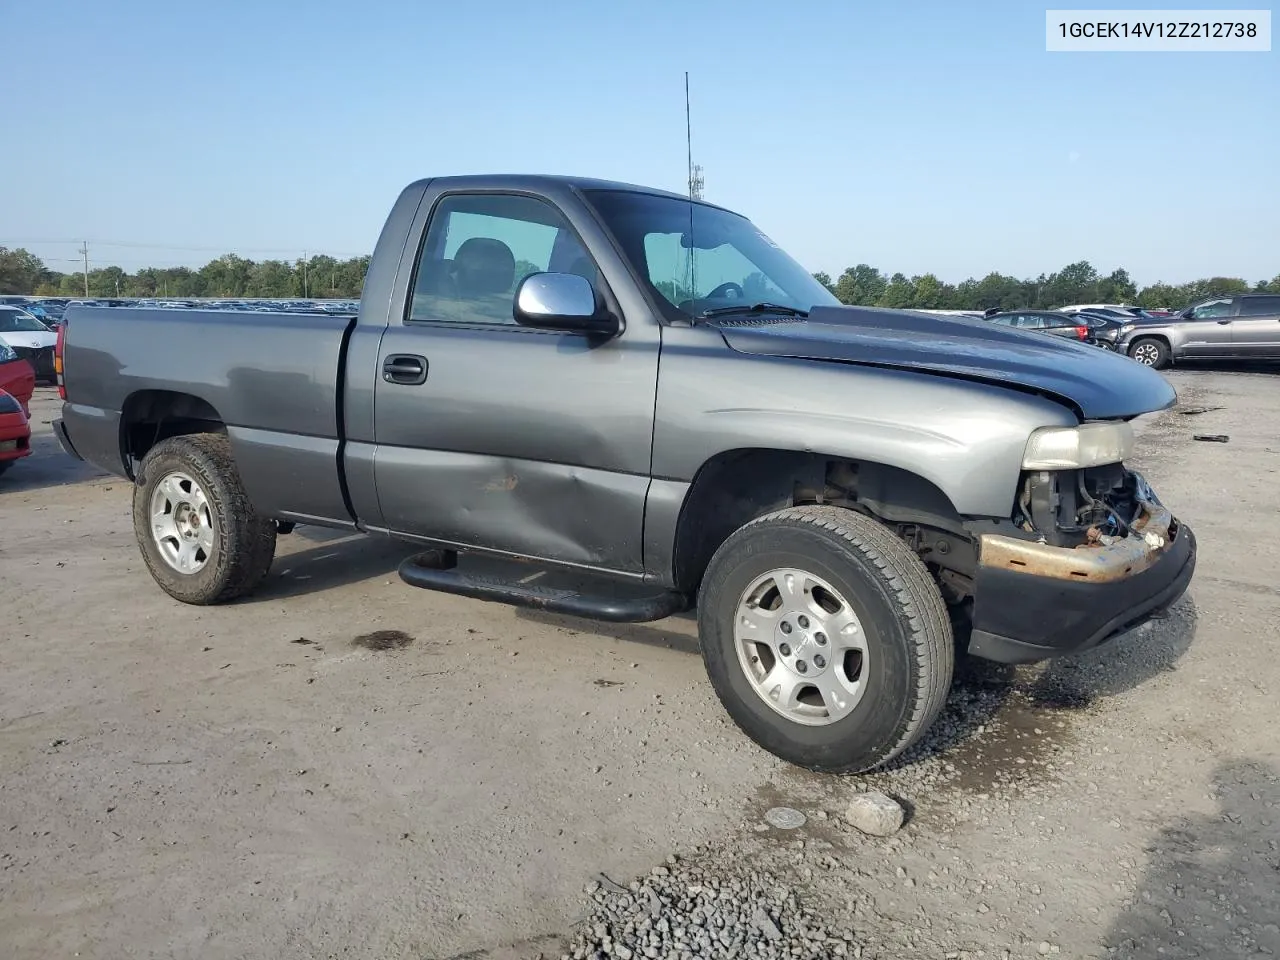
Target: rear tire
{"x":834,"y":570}
{"x":1150,"y":352}
{"x":200,"y":537}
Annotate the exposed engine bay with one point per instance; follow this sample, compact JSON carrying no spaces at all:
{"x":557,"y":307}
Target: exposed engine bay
{"x":1092,"y":506}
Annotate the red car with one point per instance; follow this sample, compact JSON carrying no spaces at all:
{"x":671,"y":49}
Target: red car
{"x":17,"y":377}
{"x":15,"y":432}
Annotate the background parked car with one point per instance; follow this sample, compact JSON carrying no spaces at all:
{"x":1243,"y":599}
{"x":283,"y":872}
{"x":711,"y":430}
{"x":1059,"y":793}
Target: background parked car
{"x":49,"y":310}
{"x":1104,"y":328}
{"x":1117,"y":313}
{"x":1114,"y":309}
{"x":1244,"y":326}
{"x":15,"y":432}
{"x":1045,"y":321}
{"x":17,"y":378}
{"x":29,"y":338}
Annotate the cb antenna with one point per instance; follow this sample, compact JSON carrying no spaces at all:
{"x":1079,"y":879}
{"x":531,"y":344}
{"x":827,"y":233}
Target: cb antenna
{"x":695,"y":170}
{"x":695,"y":190}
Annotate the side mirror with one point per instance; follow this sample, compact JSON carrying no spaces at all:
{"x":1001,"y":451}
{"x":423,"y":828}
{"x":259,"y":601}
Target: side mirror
{"x":562,"y":301}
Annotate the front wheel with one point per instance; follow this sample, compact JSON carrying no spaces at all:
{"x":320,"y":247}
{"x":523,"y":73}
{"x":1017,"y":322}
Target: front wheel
{"x":200,"y":537}
{"x":1150,"y":352}
{"x":825,"y":638}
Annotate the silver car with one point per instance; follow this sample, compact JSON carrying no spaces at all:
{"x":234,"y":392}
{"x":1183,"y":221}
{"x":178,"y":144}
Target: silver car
{"x":1239,"y":327}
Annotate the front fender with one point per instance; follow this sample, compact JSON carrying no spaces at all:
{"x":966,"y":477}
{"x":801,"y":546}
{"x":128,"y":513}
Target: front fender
{"x":966,"y":438}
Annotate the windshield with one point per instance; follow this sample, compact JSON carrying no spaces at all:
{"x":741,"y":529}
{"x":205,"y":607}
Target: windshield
{"x":19,"y":321}
{"x":700,"y":258}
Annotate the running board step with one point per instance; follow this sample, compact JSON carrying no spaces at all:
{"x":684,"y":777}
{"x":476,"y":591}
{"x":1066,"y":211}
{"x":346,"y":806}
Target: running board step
{"x":555,"y":590}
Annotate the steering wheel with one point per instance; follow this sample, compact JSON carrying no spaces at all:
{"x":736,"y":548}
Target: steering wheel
{"x":727,"y":291}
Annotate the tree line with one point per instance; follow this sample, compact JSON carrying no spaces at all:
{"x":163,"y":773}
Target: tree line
{"x":320,"y":276}
{"x":324,"y":276}
{"x":1080,"y":282}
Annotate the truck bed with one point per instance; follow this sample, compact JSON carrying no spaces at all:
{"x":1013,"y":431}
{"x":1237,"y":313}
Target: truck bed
{"x":274,"y":380}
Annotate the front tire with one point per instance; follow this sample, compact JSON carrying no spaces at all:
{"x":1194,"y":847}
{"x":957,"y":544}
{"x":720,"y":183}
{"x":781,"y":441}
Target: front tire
{"x":1150,"y":352}
{"x":825,"y":638}
{"x":200,"y":537}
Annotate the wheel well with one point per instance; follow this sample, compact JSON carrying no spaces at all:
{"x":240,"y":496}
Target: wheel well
{"x":735,"y":487}
{"x":1150,"y":336}
{"x":150,"y":416}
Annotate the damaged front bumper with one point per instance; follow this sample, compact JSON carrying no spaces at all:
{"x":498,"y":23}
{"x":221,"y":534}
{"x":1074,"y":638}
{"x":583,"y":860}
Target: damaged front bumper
{"x":1034,"y":601}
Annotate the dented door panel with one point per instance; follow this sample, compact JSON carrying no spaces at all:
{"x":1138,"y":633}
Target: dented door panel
{"x":519,"y":441}
{"x":528,"y":508}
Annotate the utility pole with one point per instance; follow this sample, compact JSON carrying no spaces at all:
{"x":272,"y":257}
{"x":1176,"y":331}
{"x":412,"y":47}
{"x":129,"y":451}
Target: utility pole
{"x":304,"y":274}
{"x":84,"y":250}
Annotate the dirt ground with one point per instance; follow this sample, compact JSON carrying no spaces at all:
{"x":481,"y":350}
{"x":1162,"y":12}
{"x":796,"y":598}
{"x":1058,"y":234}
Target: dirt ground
{"x":256,"y":781}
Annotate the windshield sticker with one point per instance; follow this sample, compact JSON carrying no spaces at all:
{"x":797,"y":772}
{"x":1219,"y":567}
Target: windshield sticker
{"x":767,"y":240}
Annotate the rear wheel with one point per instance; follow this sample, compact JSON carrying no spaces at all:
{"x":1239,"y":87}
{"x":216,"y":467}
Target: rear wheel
{"x":199,"y":535}
{"x":1150,"y":352}
{"x":825,"y":638}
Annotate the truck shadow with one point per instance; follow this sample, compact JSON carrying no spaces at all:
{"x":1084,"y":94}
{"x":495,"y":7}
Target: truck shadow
{"x":994,"y":714}
{"x":1229,"y":366}
{"x":1121,"y":664}
{"x":1000,"y":719}
{"x":678,"y":632}
{"x":48,"y":466}
{"x":339,"y":558}
{"x":1209,"y":887}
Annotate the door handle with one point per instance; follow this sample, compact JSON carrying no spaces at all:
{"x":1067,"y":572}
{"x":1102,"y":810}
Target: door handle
{"x":405,"y":368}
{"x":1223,"y":322}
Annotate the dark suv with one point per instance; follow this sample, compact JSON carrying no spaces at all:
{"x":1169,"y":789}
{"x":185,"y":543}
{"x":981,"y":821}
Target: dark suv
{"x":1244,"y":326}
{"x":1046,"y":321}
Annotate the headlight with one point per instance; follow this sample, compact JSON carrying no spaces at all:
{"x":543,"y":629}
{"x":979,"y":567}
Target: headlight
{"x":1127,"y":328}
{"x":1071,"y":448}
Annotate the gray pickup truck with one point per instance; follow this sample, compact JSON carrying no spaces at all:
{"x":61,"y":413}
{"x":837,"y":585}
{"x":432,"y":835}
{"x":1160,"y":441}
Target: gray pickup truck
{"x":614,"y":402}
{"x":1243,"y":327}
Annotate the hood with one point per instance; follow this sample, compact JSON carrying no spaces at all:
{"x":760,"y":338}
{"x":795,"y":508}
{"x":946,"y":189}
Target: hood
{"x":1099,"y":384}
{"x":30,"y":339}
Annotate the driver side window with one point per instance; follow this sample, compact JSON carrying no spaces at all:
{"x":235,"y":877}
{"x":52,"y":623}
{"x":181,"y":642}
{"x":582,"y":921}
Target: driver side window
{"x":1212,"y":310}
{"x":477,"y":250}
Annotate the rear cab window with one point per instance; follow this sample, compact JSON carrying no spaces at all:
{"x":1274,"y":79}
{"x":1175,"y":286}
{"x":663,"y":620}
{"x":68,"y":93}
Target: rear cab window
{"x":1259,"y":306}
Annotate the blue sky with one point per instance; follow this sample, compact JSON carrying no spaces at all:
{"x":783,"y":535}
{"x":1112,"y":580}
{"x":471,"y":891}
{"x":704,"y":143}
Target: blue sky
{"x":928,"y":136}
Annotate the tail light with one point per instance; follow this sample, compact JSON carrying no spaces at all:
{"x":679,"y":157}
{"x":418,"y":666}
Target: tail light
{"x":1081,"y":333}
{"x":57,"y":361}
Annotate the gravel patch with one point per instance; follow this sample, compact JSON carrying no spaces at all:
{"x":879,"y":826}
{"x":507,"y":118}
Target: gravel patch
{"x":685,"y":910}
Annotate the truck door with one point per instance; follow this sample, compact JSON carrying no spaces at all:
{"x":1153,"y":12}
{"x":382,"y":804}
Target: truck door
{"x":492,"y":435}
{"x":1255,"y":332}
